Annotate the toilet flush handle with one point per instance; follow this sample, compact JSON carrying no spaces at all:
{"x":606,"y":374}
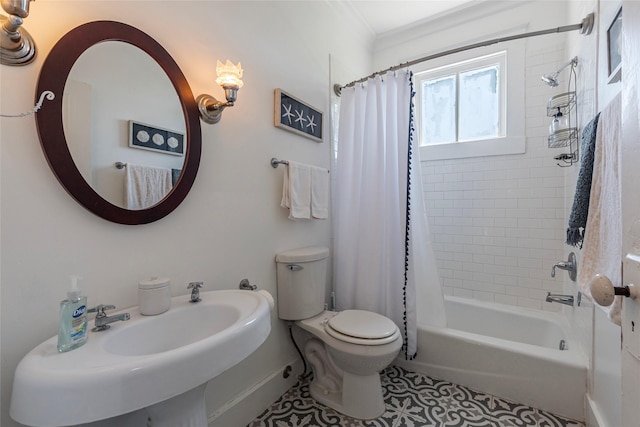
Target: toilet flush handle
{"x":294,"y":267}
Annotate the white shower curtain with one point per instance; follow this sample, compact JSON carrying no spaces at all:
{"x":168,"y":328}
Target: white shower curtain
{"x":382,"y":258}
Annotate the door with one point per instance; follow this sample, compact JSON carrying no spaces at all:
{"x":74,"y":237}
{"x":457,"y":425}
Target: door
{"x":630,"y":210}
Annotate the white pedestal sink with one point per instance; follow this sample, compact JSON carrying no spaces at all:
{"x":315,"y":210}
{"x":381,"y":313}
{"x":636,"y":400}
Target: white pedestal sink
{"x":161,"y":363}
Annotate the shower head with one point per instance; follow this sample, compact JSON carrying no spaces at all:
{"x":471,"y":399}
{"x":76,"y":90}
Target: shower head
{"x":552,"y":79}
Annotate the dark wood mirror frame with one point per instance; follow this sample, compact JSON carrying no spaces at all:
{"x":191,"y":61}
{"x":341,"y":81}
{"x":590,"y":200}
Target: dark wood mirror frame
{"x":53,"y":77}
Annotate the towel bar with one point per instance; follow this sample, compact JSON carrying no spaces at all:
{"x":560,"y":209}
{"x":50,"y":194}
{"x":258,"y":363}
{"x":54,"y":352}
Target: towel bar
{"x":120,"y":165}
{"x":275,"y":162}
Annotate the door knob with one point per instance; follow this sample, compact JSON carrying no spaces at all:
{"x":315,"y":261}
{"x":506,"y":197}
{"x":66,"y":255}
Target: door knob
{"x":603,"y":291}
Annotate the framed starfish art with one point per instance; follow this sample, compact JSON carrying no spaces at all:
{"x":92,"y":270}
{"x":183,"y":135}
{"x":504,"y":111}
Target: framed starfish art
{"x":297,"y":116}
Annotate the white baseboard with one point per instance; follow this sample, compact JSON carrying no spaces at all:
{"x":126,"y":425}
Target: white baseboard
{"x":248,"y":404}
{"x":592,"y":413}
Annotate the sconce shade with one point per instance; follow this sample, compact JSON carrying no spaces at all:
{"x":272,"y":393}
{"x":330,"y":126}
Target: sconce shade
{"x":230,"y":78}
{"x":229,"y":74}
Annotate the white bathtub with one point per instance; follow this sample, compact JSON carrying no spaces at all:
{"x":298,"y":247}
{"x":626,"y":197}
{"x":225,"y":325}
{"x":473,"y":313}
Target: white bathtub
{"x":508,"y":352}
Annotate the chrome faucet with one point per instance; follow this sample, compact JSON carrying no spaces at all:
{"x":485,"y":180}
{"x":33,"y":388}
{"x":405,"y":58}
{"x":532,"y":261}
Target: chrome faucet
{"x":102,"y":320}
{"x":562,"y":299}
{"x":570,"y":265}
{"x":195,"y":291}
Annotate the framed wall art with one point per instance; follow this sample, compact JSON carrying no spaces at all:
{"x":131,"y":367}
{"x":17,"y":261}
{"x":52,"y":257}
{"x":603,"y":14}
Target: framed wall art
{"x":297,"y":116}
{"x":153,"y":138}
{"x":614,"y":54}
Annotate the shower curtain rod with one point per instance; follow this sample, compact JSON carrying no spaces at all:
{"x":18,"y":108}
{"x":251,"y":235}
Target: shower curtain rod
{"x":585,"y":27}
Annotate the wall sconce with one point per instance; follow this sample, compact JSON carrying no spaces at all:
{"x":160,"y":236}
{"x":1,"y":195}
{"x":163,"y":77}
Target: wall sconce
{"x":16,"y":45}
{"x":230,"y":78}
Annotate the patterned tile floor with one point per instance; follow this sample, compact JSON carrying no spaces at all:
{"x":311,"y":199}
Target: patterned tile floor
{"x":412,"y":400}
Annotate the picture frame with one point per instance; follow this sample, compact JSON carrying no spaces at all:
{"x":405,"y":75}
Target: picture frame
{"x":153,"y":138}
{"x":297,"y":116}
{"x":614,"y":54}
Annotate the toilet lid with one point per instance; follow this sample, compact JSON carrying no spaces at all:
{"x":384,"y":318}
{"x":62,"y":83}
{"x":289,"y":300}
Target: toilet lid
{"x":365,"y":326}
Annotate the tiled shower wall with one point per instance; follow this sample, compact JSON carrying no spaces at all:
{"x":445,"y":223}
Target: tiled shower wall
{"x":497,"y":222}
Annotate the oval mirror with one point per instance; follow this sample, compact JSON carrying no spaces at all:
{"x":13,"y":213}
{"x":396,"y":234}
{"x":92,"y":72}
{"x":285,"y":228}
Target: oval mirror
{"x":155,"y":123}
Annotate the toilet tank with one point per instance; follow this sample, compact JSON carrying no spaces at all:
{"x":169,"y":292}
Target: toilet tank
{"x":302,"y":280}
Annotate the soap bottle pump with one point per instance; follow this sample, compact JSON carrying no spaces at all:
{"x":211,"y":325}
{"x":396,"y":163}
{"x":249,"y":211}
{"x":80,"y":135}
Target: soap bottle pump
{"x":72,"y":331}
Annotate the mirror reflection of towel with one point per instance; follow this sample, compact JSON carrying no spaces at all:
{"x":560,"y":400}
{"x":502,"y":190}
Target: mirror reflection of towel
{"x":145,"y":186}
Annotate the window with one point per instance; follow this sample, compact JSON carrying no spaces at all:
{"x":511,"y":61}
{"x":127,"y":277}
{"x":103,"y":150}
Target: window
{"x":471,"y":106}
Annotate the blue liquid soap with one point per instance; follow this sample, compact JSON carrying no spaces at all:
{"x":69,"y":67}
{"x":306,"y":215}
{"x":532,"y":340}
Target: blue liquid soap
{"x":72,"y":330}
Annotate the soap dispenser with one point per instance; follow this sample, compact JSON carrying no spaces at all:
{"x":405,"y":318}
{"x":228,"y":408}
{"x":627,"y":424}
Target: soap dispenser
{"x":560,"y":122}
{"x":72,"y":330}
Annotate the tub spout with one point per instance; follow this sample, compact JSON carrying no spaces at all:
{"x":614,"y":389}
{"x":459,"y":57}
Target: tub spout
{"x":562,"y":299}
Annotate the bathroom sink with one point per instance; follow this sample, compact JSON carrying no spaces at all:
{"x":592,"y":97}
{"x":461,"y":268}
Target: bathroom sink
{"x":140,"y":362}
{"x":175,"y":329}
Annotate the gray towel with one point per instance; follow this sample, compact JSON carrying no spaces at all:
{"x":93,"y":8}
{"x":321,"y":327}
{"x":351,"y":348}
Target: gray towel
{"x":580,"y":209}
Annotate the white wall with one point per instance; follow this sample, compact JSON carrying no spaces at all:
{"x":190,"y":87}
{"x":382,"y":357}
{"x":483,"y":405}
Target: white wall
{"x":230,"y":225}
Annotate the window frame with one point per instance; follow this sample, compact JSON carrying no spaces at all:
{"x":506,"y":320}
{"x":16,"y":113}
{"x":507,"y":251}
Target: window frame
{"x":512,"y":84}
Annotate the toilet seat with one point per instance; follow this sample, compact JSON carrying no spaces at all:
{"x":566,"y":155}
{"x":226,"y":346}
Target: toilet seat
{"x":362,"y":327}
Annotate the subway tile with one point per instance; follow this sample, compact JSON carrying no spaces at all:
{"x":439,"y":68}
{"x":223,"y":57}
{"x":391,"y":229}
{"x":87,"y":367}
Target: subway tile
{"x":501,"y":220}
{"x":494,"y":213}
{"x":462,"y":257}
{"x":484,"y":203}
{"x":483,"y":296}
{"x":497,"y":251}
{"x":453,"y":195}
{"x":503,"y":279}
{"x":494,"y":269}
{"x":462,"y":221}
{"x":507,"y":203}
{"x":506,"y":299}
{"x":529,"y":303}
{"x":465,"y":293}
{"x":453,"y":283}
{"x":462,"y":275}
{"x":529,"y":243}
{"x":443,"y":204}
{"x":462,"y":185}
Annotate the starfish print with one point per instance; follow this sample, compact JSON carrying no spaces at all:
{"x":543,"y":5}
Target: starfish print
{"x":300,"y":119}
{"x":311,"y":123}
{"x":288,"y":114}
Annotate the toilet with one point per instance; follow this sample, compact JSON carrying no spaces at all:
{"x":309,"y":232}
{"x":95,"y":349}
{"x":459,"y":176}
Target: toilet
{"x":348,"y":349}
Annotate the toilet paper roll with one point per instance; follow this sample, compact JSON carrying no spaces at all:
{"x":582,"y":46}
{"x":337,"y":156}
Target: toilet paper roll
{"x":269,"y":297}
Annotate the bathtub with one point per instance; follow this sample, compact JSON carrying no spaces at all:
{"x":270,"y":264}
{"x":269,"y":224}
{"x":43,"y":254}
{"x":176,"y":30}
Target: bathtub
{"x":510,"y":352}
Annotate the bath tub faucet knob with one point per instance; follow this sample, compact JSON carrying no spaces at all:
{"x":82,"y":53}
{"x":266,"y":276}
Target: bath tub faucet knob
{"x":571,"y":266}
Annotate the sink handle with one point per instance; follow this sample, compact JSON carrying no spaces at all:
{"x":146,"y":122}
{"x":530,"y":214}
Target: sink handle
{"x":195,"y":291}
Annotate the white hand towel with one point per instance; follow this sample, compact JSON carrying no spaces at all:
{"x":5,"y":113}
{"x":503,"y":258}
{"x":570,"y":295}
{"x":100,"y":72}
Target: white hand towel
{"x":319,"y":192}
{"x":145,"y":186}
{"x":602,"y":248}
{"x":296,"y":190}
